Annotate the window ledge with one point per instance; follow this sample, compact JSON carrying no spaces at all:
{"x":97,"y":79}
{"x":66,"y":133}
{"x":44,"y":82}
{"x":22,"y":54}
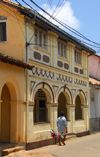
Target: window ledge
{"x":36,"y":123}
{"x":76,"y":64}
{"x":3,"y":41}
{"x":63,"y":58}
{"x":41,"y":49}
{"x":78,"y":119}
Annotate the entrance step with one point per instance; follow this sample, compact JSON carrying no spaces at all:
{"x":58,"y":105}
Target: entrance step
{"x":11,"y":150}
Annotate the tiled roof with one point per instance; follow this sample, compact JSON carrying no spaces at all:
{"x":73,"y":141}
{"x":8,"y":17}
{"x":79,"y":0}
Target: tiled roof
{"x":10,"y":60}
{"x":93,"y":81}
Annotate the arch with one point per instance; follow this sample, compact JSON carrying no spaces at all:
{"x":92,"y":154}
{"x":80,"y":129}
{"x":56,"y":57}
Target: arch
{"x":78,"y":110}
{"x":62,"y":104}
{"x":82,"y":96}
{"x":13,"y":86}
{"x":67,"y":94}
{"x":47,"y":89}
{"x":14,"y":90}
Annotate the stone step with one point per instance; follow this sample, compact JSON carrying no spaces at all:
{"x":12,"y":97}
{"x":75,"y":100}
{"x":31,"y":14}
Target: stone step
{"x":11,"y":150}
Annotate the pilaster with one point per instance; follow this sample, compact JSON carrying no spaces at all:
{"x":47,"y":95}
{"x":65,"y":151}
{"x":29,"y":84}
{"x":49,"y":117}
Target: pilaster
{"x":30,"y":119}
{"x":55,"y":115}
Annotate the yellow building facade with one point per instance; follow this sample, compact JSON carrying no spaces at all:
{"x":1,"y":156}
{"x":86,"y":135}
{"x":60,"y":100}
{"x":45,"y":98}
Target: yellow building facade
{"x":12,"y":77}
{"x":59,"y":81}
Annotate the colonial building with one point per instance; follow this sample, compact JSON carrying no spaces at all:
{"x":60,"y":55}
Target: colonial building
{"x":12,"y":78}
{"x":60,"y":79}
{"x":94,"y":103}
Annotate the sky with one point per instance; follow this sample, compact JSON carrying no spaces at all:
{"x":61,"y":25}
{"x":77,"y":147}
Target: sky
{"x":81,"y":15}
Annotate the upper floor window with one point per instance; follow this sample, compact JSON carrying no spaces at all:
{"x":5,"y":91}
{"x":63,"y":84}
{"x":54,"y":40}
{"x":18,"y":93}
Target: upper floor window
{"x":62,"y":50}
{"x":3,"y":32}
{"x":77,"y":57}
{"x":40,"y":39}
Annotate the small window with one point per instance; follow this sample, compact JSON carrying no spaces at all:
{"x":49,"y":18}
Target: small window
{"x":77,"y":57}
{"x":64,"y":51}
{"x":35,"y":37}
{"x":59,"y":48}
{"x":3,"y":31}
{"x":40,"y":39}
{"x":44,"y":41}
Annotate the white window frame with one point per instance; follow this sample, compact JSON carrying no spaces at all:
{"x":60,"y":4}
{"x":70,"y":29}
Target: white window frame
{"x":78,"y":57}
{"x":43,"y":47}
{"x":2,"y":21}
{"x":61,"y":47}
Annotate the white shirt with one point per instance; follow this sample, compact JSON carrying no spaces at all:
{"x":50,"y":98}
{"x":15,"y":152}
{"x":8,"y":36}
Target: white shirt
{"x":61,"y":123}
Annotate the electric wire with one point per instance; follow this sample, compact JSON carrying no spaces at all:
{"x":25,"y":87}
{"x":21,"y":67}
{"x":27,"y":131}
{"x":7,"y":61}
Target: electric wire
{"x":63,"y":24}
{"x":58,"y":21}
{"x":34,"y":34}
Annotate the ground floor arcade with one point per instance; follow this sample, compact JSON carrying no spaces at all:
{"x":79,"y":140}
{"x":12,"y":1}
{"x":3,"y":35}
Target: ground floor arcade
{"x":47,"y":99}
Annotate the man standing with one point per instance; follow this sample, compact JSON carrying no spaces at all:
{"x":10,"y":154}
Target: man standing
{"x":62,"y":124}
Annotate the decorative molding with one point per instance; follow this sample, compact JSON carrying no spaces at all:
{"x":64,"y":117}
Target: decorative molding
{"x":55,"y":104}
{"x":46,"y":59}
{"x":32,"y":86}
{"x":81,"y":71}
{"x":80,"y":82}
{"x":17,"y":102}
{"x":3,"y":18}
{"x":66,"y":66}
{"x":37,"y":55}
{"x":60,"y":63}
{"x":44,"y":73}
{"x":76,"y":69}
{"x":31,"y":103}
{"x":72,"y":105}
{"x":49,"y":74}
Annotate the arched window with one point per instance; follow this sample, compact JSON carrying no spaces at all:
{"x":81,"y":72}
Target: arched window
{"x":78,"y":110}
{"x":40,"y":110}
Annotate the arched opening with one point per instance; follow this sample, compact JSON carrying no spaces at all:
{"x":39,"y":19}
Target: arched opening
{"x":5,"y":114}
{"x":40,"y":110}
{"x":62,"y":104}
{"x":78,"y":110}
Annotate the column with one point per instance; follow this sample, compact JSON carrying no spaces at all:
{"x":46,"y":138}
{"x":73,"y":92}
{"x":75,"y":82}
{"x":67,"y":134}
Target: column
{"x":14,"y":126}
{"x":55,"y":115}
{"x":86,"y":117}
{"x":72,"y":116}
{"x":50,"y":114}
{"x":68,"y":112}
{"x":30,"y":121}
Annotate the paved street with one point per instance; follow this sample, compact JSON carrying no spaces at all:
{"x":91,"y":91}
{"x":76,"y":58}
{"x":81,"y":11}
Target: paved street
{"x":87,"y":146}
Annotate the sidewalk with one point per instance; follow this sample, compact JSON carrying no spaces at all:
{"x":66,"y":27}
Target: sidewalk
{"x":87,"y":146}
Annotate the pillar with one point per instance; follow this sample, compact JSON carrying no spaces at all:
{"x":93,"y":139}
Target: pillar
{"x":85,"y":116}
{"x":30,"y":121}
{"x":50,"y":114}
{"x":55,"y":116}
{"x":72,"y":116}
{"x":14,"y":126}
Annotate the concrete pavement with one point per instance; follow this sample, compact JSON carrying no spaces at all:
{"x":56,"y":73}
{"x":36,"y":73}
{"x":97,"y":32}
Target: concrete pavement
{"x":87,"y":146}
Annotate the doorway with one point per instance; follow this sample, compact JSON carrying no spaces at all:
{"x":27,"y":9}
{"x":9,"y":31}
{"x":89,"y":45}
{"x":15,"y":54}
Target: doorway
{"x":62,"y":104}
{"x":5,"y":115}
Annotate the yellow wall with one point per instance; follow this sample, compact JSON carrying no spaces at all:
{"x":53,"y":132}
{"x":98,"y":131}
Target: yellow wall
{"x":15,"y":32}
